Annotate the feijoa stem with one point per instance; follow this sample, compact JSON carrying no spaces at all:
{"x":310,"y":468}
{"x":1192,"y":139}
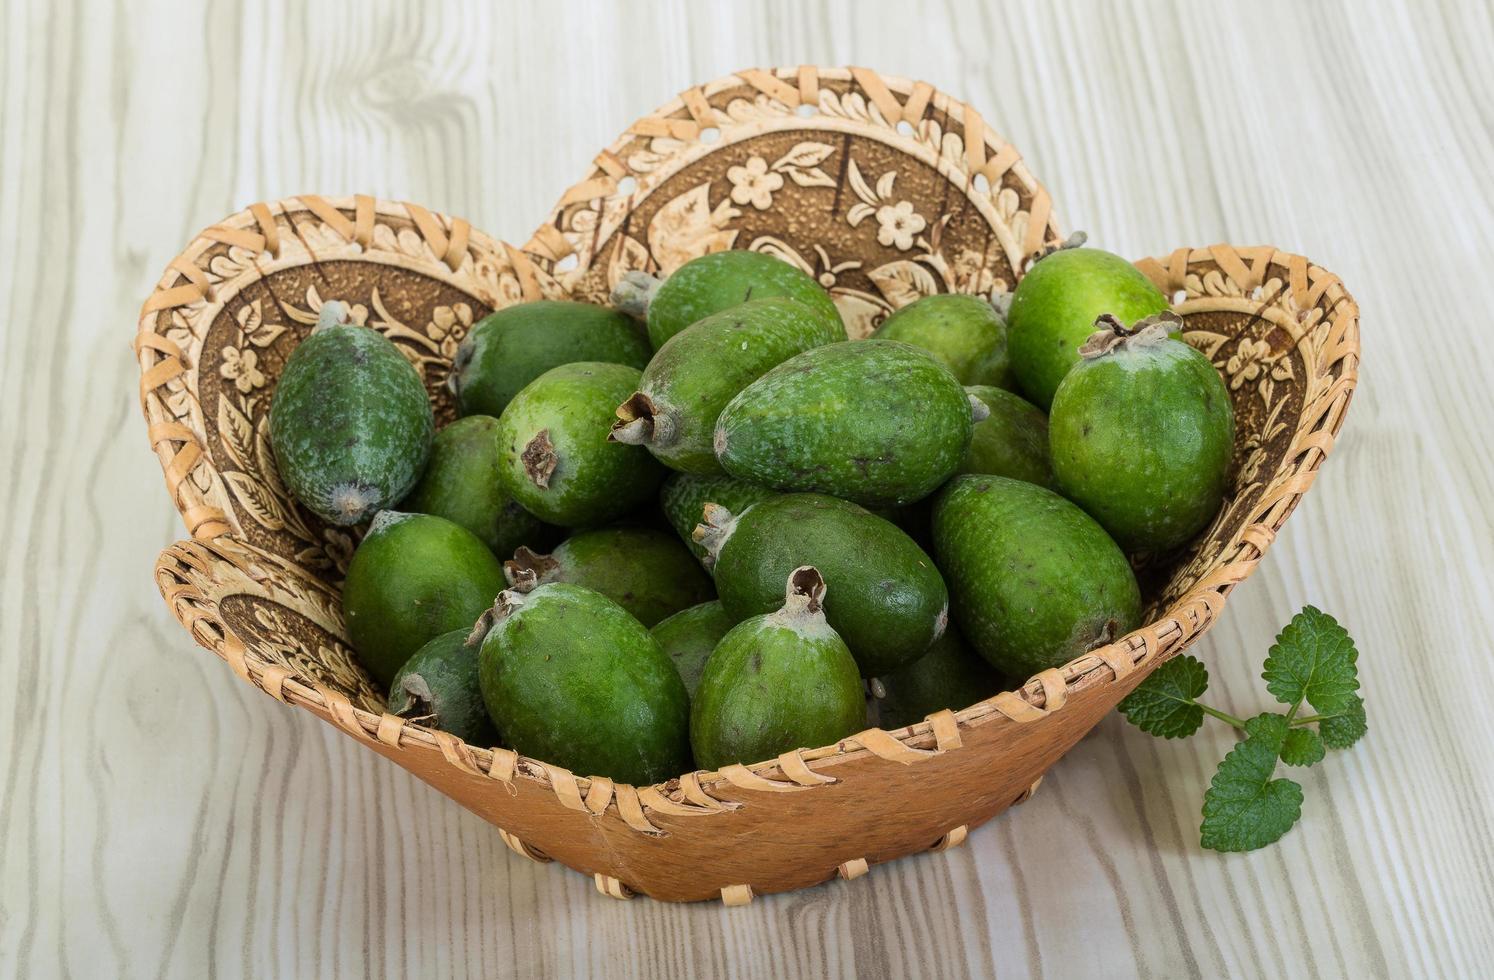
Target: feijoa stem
{"x":634,"y":292}
{"x":641,"y":422}
{"x":539,"y":459}
{"x":528,"y":570}
{"x":332,"y":314}
{"x":1112,"y":335}
{"x":1076,"y":240}
{"x":711,"y":533}
{"x":504,"y":606}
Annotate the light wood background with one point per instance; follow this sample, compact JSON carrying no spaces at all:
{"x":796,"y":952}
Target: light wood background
{"x":158,"y":817}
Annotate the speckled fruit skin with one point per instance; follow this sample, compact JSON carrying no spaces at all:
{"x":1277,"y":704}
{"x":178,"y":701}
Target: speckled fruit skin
{"x":438,"y":687}
{"x":689,"y":636}
{"x":350,"y":423}
{"x":965,"y":332}
{"x":592,"y":481}
{"x":702,"y":367}
{"x":462,"y":484}
{"x":886,"y":599}
{"x":684,"y":495}
{"x":508,"y":349}
{"x":874,"y":421}
{"x":646,"y":571}
{"x":414,"y":577}
{"x":721,"y":280}
{"x":775,"y":683}
{"x":1141,"y":439}
{"x":950,"y":675}
{"x":1011,"y":441}
{"x":1034,"y":581}
{"x":573,"y":680}
{"x":1054,"y":308}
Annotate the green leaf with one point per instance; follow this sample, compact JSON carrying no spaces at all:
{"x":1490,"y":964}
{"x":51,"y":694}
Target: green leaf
{"x":1345,"y":729}
{"x":1313,"y":659}
{"x":1244,"y":807}
{"x":1302,"y":747}
{"x":1163,"y":704}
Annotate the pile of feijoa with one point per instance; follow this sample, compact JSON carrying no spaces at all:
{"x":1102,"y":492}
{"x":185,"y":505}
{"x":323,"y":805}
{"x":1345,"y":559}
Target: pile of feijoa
{"x":705,"y":528}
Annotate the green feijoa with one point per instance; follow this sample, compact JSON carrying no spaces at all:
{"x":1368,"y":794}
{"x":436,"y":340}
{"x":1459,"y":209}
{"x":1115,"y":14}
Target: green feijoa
{"x":414,"y":577}
{"x":350,"y":422}
{"x":1034,"y":582}
{"x":1054,"y":307}
{"x":874,"y":421}
{"x":1141,"y":432}
{"x":1011,"y":441}
{"x":963,"y":331}
{"x":644,"y":570}
{"x":689,"y":636}
{"x":719,"y":281}
{"x":777,"y":682}
{"x":438,"y":687}
{"x":557,"y":462}
{"x":950,"y":675}
{"x":684,"y":496}
{"x":887,"y":599}
{"x":701,"y":368}
{"x":462,"y":484}
{"x":570,"y":678}
{"x":507,"y":349}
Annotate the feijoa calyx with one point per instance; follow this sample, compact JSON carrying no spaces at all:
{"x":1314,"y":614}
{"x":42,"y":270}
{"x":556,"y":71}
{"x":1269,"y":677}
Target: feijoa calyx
{"x":776,"y":682}
{"x":875,"y":421}
{"x":718,"y":281}
{"x":1034,"y":581}
{"x":462,"y":483}
{"x":965,"y":332}
{"x":570,"y":678}
{"x":438,"y":687}
{"x":646,"y":571}
{"x":886,"y":599}
{"x":1141,"y":432}
{"x":689,"y":636}
{"x":350,"y":422}
{"x":684,"y":495}
{"x":509,"y":348}
{"x":414,"y":577}
{"x":556,"y":459}
{"x":701,"y":368}
{"x":1054,"y":307}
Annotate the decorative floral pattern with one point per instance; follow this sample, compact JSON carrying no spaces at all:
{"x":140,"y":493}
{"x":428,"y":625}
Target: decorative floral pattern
{"x":898,"y":224}
{"x":241,"y":366}
{"x":752,"y":184}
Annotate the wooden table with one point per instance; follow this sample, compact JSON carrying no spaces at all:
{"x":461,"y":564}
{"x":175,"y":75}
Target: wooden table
{"x":158,"y":817}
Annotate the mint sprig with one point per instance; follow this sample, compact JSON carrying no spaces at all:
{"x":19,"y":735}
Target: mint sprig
{"x":1312,"y":662}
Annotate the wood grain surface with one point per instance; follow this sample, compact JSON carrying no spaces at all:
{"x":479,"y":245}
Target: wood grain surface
{"x":160,"y":818}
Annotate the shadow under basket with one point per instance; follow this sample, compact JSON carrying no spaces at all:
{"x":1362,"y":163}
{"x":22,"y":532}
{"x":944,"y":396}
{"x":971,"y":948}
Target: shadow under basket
{"x":884,"y":189}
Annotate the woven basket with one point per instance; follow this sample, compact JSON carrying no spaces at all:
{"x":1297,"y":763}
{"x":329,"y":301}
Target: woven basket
{"x":886,"y":190}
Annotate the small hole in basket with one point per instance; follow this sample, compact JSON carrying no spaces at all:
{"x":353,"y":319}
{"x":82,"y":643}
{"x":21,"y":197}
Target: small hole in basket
{"x":568,"y":263}
{"x":904,"y":127}
{"x":710,"y":134}
{"x":1257,"y":293}
{"x":627,"y":185}
{"x":982,"y":185}
{"x":1179,"y":296}
{"x":805,"y":110}
{"x":357,"y":247}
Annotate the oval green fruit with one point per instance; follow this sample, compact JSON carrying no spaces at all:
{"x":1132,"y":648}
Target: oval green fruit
{"x":646,"y":571}
{"x":1054,"y":308}
{"x":950,"y":675}
{"x":462,"y":483}
{"x":570,"y":678}
{"x":1034,"y":581}
{"x":777,"y":682}
{"x":963,"y":331}
{"x":689,"y":636}
{"x":874,"y":421}
{"x":557,"y":462}
{"x":701,"y":368}
{"x":719,"y":281}
{"x":1142,"y":433}
{"x":1011,"y":441}
{"x":684,"y":496}
{"x":438,"y":687}
{"x":887,"y":600}
{"x":511,"y":347}
{"x":414,"y":577}
{"x":350,"y":422}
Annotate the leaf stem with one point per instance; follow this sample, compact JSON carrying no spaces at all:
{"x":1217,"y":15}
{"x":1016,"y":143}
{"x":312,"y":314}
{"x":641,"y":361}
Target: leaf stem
{"x":1310,"y":719}
{"x":1231,"y":720}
